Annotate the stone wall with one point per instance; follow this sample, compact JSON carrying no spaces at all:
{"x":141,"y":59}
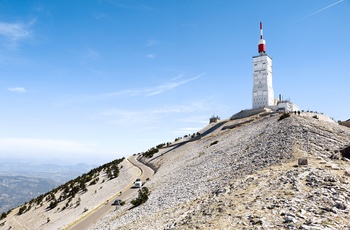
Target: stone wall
{"x":249,"y":112}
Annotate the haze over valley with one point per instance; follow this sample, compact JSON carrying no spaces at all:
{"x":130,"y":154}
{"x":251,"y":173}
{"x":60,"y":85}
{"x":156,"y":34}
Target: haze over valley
{"x":21,"y":181}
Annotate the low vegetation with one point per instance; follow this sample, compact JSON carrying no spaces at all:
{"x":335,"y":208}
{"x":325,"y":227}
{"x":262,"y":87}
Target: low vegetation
{"x":160,"y":146}
{"x":188,"y":135}
{"x":149,"y":153}
{"x":142,"y":197}
{"x":3,"y":215}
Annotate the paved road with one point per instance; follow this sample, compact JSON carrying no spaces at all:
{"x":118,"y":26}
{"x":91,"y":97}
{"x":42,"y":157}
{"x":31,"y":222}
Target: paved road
{"x":105,"y":208}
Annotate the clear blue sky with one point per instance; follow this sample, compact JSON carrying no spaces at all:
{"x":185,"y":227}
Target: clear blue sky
{"x":91,"y":81}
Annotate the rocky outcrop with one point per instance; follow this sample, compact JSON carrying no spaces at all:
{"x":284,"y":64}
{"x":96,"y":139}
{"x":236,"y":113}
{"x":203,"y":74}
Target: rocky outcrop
{"x":345,"y":123}
{"x":283,"y":197}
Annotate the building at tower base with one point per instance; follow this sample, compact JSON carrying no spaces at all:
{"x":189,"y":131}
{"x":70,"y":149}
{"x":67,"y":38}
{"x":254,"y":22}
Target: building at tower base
{"x":287,"y":106}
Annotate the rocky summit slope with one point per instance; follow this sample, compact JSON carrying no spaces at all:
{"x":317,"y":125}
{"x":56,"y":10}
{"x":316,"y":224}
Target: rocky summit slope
{"x":234,"y":174}
{"x":244,"y":174}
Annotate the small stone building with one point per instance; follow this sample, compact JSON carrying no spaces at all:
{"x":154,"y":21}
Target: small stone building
{"x":214,"y":119}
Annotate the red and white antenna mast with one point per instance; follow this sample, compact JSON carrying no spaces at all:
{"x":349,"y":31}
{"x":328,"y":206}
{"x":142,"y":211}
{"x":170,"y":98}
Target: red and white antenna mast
{"x":262,"y":43}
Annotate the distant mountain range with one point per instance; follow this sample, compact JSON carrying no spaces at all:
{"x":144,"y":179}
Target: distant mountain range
{"x":20,"y":182}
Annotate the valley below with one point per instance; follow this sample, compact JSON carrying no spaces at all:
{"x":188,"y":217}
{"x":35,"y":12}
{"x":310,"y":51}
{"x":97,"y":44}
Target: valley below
{"x":22,"y":181}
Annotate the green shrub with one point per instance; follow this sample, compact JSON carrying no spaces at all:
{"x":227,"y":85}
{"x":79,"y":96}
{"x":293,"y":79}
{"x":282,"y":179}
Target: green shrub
{"x":39,"y":199}
{"x":160,"y":146}
{"x":150,"y":152}
{"x":3,"y":215}
{"x":53,"y":204}
{"x":142,"y":197}
{"x":22,"y":210}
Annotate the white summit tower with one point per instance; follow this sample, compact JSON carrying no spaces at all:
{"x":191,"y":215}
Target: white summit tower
{"x":262,"y":65}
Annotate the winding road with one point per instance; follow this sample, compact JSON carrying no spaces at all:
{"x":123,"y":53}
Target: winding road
{"x":105,"y":208}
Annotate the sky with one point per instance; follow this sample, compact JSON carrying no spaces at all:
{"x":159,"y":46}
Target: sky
{"x":92,"y":81}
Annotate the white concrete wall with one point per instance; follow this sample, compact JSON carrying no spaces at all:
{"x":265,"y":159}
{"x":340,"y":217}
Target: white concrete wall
{"x":288,"y":106}
{"x":263,"y":95}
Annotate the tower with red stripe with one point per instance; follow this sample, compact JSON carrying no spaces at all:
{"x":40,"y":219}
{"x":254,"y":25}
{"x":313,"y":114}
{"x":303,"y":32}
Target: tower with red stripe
{"x":262,"y":43}
{"x":263,"y":95}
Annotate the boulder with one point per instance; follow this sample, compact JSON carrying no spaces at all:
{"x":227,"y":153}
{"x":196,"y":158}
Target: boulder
{"x":302,"y":161}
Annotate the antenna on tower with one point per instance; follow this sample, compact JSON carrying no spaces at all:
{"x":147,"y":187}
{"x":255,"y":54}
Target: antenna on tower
{"x":262,"y":43}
